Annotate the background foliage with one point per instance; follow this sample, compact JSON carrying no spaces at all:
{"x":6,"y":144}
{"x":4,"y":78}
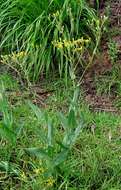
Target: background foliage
{"x":29,"y":29}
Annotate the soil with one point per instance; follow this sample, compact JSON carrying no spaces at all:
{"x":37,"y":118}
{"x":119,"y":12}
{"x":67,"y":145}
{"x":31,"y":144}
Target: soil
{"x":102,"y":65}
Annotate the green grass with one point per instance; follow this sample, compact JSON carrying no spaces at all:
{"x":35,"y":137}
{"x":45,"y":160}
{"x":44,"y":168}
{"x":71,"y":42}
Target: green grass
{"x":61,"y":144}
{"x":32,"y":30}
{"x":92,"y":162}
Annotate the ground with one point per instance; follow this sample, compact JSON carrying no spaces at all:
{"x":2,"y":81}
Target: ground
{"x":99,"y":74}
{"x":93,"y":163}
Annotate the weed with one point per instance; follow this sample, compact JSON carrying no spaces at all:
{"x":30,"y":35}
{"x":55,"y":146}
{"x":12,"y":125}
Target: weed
{"x":28,"y":44}
{"x":110,"y":83}
{"x":73,"y":160}
{"x":71,"y":128}
{"x":64,"y":145}
{"x":113,"y":51}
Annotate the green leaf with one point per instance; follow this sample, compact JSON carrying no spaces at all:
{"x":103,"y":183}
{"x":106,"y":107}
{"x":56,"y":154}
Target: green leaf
{"x":76,"y":95}
{"x":71,"y":136}
{"x":36,"y":110}
{"x":9,"y":168}
{"x":61,"y":144}
{"x":50,"y":133}
{"x":63,"y":120}
{"x":72,"y":119}
{"x":19,"y":129}
{"x":4,"y":166}
{"x":6,"y":133}
{"x":37,"y":152}
{"x":61,"y":157}
{"x":74,"y":101}
{"x":76,"y":133}
{"x":67,"y":139}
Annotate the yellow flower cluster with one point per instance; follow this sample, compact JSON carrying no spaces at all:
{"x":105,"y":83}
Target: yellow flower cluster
{"x":50,"y":181}
{"x":39,"y":171}
{"x":20,"y":54}
{"x":13,"y":56}
{"x":56,"y":14}
{"x":76,"y":44}
{"x":23,"y":176}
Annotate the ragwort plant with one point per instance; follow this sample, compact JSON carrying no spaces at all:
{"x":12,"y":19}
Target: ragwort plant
{"x":9,"y":133}
{"x":30,"y":28}
{"x":92,"y":162}
{"x":54,"y":152}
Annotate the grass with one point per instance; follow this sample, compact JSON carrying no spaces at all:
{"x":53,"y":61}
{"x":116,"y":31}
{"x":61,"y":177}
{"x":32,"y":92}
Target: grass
{"x":54,"y":33}
{"x":52,"y":140}
{"x":91,"y":162}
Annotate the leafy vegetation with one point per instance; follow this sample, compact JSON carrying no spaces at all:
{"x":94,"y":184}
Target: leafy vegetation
{"x":58,"y":61}
{"x":48,"y":150}
{"x":57,"y":33}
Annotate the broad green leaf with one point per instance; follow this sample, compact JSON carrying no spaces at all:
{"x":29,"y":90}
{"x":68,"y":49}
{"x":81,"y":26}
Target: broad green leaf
{"x":71,"y":136}
{"x":61,"y":157}
{"x":37,"y":152}
{"x":76,"y":95}
{"x":63,"y":120}
{"x":72,"y":119}
{"x":36,"y":110}
{"x":75,"y":99}
{"x":61,"y":144}
{"x":6,"y":133}
{"x":76,"y":133}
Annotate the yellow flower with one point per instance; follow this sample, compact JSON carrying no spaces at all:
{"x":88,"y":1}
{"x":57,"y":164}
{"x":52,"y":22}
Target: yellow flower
{"x":56,"y":14}
{"x":78,"y":49}
{"x":21,"y":54}
{"x":23,"y":176}
{"x":80,"y":40}
{"x":60,"y":45}
{"x":39,"y":170}
{"x":87,"y":41}
{"x":67,"y":43}
{"x":71,"y":43}
{"x":18,"y":55}
{"x":50,"y":181}
{"x":13,"y":56}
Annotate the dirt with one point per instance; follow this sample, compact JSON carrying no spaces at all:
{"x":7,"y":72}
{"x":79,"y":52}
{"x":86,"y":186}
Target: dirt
{"x":102,"y":65}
